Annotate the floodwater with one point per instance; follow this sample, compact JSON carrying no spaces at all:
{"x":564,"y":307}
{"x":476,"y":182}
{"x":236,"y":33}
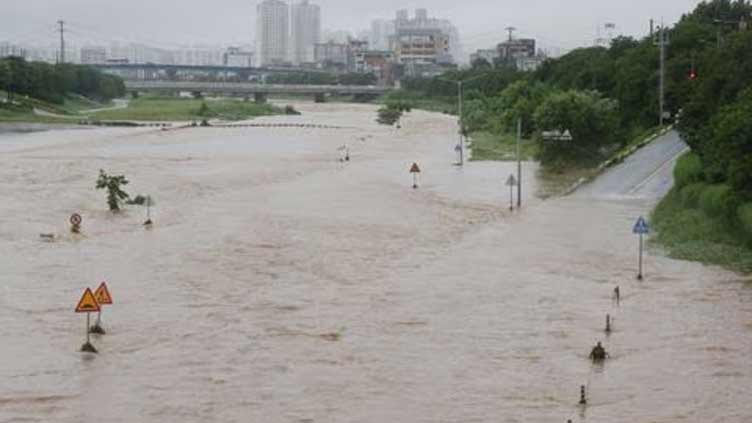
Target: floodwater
{"x":280,"y":285}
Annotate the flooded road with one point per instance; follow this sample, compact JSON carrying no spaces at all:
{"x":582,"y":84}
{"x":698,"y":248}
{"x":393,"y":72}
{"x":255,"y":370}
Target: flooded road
{"x":280,"y":285}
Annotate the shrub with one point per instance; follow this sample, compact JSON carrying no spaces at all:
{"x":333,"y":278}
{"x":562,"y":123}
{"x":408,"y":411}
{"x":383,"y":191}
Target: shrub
{"x":113,"y":184}
{"x":744,"y":213}
{"x":690,"y":194}
{"x":290,"y":110}
{"x":688,"y":170}
{"x":714,"y":200}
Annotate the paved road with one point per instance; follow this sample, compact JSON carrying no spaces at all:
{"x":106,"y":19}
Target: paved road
{"x":646,"y":174}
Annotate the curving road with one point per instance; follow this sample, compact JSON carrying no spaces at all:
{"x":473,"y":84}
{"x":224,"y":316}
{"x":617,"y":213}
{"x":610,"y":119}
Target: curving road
{"x":646,"y":174}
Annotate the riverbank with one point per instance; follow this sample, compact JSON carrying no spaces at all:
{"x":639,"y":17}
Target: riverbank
{"x":700,"y":222}
{"x":187,"y":109}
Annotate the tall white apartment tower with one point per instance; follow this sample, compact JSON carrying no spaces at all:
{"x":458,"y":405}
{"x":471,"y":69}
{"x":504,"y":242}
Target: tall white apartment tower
{"x":306,"y":31}
{"x":272,"y":32}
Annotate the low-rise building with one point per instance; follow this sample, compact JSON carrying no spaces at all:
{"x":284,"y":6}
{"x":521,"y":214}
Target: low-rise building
{"x":514,"y":48}
{"x":332,"y":54}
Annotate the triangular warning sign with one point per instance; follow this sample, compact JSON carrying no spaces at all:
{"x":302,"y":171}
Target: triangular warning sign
{"x":415,"y":168}
{"x":102,"y":294}
{"x":88,"y":303}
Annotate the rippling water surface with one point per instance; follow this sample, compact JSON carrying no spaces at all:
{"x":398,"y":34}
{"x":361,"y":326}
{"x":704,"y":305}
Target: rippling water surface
{"x":280,"y":285}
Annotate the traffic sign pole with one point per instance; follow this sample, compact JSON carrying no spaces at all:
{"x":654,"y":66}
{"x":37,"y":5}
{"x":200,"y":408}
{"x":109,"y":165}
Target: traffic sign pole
{"x":88,"y":325}
{"x":511,"y":197}
{"x":639,"y":275}
{"x":519,"y":163}
{"x":641,"y":228}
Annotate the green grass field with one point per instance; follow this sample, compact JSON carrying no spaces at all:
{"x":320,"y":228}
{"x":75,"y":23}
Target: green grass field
{"x":185,"y":109}
{"x":491,"y":147}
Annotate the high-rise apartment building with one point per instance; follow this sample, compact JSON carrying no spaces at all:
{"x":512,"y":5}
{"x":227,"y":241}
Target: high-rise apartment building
{"x":272,"y":32}
{"x":306,"y":31}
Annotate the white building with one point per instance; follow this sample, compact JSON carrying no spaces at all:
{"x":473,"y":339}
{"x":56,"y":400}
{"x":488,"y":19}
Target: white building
{"x":272,"y":32}
{"x":93,"y":55}
{"x":306,"y":31}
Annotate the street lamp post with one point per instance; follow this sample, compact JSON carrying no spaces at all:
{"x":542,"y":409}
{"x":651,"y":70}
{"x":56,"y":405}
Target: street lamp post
{"x":460,"y":100}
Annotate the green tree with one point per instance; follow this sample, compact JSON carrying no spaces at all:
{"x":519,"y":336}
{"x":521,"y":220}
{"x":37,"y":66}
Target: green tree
{"x":520,"y":100}
{"x":481,"y":63}
{"x":392,"y":112}
{"x":204,"y":110}
{"x":592,"y":121}
{"x":728,"y":151}
{"x":113,"y":184}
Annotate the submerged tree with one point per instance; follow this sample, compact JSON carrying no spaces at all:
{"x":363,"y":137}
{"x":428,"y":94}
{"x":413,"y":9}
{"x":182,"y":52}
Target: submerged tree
{"x":392,"y":112}
{"x":115,"y":195}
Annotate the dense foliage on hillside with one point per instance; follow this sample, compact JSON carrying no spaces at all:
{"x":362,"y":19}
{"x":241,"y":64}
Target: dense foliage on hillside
{"x":53,"y":82}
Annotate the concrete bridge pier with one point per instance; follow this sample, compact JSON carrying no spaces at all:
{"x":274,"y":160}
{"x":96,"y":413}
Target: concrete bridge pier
{"x":319,"y":98}
{"x":260,"y":98}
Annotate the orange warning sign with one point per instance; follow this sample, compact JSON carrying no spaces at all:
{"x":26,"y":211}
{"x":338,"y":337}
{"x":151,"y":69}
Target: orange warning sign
{"x":415,"y":168}
{"x":102,"y":294}
{"x":87,"y":303}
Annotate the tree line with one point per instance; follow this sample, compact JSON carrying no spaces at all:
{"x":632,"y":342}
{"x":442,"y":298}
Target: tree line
{"x":52,"y":83}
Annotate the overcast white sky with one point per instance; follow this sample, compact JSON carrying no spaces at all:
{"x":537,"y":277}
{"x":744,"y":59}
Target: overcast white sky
{"x":564,"y":24}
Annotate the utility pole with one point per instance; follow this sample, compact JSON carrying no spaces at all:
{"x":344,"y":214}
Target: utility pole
{"x":461,"y":145}
{"x":519,"y":164}
{"x":662,"y":43}
{"x":62,"y":41}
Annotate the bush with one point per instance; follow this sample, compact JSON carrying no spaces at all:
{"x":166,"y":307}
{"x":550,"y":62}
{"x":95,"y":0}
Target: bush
{"x":290,"y":110}
{"x":688,"y":170}
{"x":690,"y":194}
{"x":714,"y":200}
{"x":744,"y":213}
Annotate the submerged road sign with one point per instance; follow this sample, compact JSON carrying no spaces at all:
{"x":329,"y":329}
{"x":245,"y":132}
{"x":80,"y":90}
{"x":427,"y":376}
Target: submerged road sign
{"x":102,"y":294}
{"x":76,"y":219}
{"x":415,"y":170}
{"x":641,"y":227}
{"x":511,"y":183}
{"x":88,"y":303}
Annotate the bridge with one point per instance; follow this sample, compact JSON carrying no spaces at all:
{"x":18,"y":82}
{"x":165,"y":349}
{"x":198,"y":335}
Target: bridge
{"x":259,"y":91}
{"x":155,"y":71}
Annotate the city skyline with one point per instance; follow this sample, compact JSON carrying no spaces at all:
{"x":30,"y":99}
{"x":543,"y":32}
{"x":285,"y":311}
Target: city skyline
{"x":555,"y":25}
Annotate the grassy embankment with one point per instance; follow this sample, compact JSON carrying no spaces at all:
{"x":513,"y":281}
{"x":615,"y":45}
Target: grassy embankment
{"x":187,"y":109}
{"x":703,"y":222}
{"x":22,"y":109}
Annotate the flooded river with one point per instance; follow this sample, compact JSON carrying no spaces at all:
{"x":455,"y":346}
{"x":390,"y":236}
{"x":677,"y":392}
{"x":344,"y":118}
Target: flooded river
{"x":281,"y":285}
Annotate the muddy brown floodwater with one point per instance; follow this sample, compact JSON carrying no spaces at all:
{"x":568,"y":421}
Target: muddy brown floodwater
{"x":280,"y":285}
